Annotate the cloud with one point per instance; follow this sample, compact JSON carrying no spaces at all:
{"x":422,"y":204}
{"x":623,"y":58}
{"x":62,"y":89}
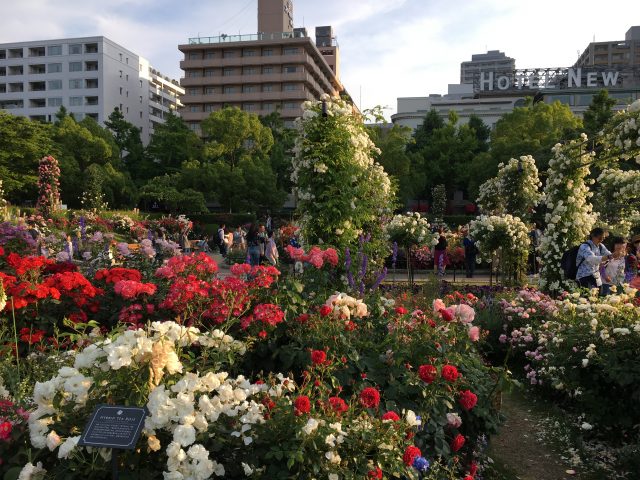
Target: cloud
{"x":389,"y":48}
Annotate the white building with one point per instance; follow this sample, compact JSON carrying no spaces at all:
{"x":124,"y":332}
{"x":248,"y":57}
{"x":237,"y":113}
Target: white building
{"x":90,"y":76}
{"x":460,"y":98}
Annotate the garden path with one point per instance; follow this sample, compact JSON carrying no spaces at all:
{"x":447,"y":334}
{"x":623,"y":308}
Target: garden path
{"x":519,"y":453}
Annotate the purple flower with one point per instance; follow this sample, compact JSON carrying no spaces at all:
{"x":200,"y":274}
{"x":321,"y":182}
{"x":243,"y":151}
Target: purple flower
{"x":381,"y":276}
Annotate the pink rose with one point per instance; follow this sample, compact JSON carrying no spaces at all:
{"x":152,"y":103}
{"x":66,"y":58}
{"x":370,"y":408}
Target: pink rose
{"x":438,"y":305}
{"x":474,"y":334}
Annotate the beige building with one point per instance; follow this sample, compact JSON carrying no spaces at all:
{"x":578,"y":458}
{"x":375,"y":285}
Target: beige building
{"x":492,"y":61}
{"x":261,"y":73}
{"x":619,"y":53}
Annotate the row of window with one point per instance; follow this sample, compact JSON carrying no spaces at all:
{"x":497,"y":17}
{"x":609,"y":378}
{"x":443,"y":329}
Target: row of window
{"x":51,"y":102}
{"x":49,"y":85}
{"x":41,"y":68}
{"x":267,"y":87}
{"x":248,"y":107}
{"x":49,"y":50}
{"x":246,"y":52}
{"x":230,"y":71}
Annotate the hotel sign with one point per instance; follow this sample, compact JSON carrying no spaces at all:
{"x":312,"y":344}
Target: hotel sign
{"x":550,"y":78}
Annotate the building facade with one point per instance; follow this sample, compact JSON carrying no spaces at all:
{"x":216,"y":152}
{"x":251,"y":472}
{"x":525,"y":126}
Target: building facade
{"x":492,"y":61}
{"x":614,"y":53}
{"x":89,"y":76}
{"x":262,"y":73}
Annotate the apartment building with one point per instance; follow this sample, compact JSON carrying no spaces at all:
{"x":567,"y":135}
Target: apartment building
{"x":89,"y":76}
{"x":618,"y":53}
{"x":492,"y":61}
{"x":259,"y":73}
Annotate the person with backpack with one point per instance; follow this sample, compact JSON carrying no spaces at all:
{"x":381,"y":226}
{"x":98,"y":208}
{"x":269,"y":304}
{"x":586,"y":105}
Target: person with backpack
{"x":589,"y":257}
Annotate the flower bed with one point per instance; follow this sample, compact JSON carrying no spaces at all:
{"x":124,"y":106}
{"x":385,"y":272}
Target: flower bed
{"x":375,"y":387}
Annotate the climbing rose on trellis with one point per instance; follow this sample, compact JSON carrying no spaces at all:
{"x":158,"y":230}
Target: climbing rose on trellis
{"x":48,"y":186}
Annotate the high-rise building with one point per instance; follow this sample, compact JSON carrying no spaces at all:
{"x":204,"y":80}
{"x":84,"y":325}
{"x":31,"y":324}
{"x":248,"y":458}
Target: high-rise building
{"x":260,"y":73}
{"x":89,"y":76}
{"x":492,"y":61}
{"x":618,"y":53}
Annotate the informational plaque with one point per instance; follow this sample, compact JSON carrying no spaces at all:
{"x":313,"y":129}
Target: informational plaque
{"x":114,"y":426}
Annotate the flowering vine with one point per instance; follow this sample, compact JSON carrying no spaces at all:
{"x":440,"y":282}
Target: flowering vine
{"x":48,"y":186}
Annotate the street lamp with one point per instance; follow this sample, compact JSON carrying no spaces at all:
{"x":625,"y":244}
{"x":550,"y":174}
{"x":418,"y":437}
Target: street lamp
{"x":324,"y":108}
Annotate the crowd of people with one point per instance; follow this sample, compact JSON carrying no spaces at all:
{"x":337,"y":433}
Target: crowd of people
{"x":257,"y":241}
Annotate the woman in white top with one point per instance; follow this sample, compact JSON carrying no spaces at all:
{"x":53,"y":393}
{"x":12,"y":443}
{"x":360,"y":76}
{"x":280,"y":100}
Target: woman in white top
{"x":271,"y":250}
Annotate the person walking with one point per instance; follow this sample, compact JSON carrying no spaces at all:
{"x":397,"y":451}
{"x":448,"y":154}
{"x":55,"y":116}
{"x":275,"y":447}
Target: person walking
{"x":440,"y":259}
{"x":591,"y":255}
{"x":269,"y":223}
{"x":253,"y":245}
{"x":238,"y":239}
{"x":262,"y":236}
{"x":271,"y":251}
{"x":221,"y":240}
{"x":470,"y":253}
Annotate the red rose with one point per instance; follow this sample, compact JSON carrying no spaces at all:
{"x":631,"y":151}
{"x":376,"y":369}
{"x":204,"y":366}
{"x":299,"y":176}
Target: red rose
{"x":338,"y":405}
{"x":375,"y":474}
{"x":467,"y":399}
{"x":370,"y":397}
{"x":262,"y":334}
{"x":473,"y":469}
{"x":427,"y":373}
{"x":5,"y":430}
{"x":457,"y":443}
{"x":401,"y":310}
{"x":325,"y":310}
{"x":468,"y":477}
{"x":393,"y":416}
{"x":302,"y":404}
{"x":450,"y":373}
{"x":447,"y":316}
{"x":318,"y":357}
{"x":410,"y":454}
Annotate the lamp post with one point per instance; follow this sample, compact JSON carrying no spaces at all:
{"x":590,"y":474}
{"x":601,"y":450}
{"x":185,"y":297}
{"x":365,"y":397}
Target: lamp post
{"x":324,"y":108}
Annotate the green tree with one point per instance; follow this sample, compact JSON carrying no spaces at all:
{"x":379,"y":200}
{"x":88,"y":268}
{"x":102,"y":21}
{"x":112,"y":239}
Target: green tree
{"x":423,"y":134}
{"x":481,"y":130}
{"x":22,"y":144}
{"x":132,"y":152}
{"x":281,"y":152}
{"x":173,"y":143}
{"x":232,"y":135}
{"x":532,"y":130}
{"x":599,"y":113}
{"x":393,"y":142}
{"x":163,"y":190}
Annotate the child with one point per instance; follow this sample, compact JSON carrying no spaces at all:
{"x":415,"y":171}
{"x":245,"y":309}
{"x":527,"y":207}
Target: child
{"x":271,"y":251}
{"x":613,"y":273}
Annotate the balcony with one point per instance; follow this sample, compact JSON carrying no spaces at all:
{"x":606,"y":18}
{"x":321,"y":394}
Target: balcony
{"x":37,"y":103}
{"x":90,"y":101}
{"x":37,"y":86}
{"x":91,"y":83}
{"x":16,"y":70}
{"x":91,"y":66}
{"x":37,"y":69}
{"x":11,"y":104}
{"x":15,"y":53}
{"x":16,"y":87}
{"x":246,"y":61}
{"x":37,"y":52}
{"x":90,"y":48}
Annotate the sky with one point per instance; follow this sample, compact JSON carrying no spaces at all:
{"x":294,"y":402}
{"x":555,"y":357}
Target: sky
{"x":388,"y":48}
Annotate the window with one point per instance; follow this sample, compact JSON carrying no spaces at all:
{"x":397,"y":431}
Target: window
{"x":267,"y":107}
{"x":75,"y":49}
{"x":194,"y":108}
{"x":93,"y":115}
{"x":54,"y":50}
{"x":120,"y":57}
{"x":267,"y":52}
{"x":227,"y":72}
{"x":3,"y":71}
{"x":15,"y":70}
{"x":91,"y":66}
{"x":209,"y":107}
{"x":140,"y":83}
{"x":194,"y":73}
{"x":37,"y":86}
{"x":91,"y":83}
{"x":267,"y":87}
{"x":3,"y":88}
{"x":55,"y":85}
{"x":75,"y":101}
{"x":249,"y":88}
{"x":194,"y":56}
{"x":75,"y":83}
{"x":194,"y":126}
{"x":120,"y":90}
{"x":191,"y":91}
{"x":209,"y":90}
{"x":75,"y":66}
{"x":208,"y":72}
{"x":229,"y":89}
{"x":209,"y":54}
{"x":54,"y":102}
{"x":3,"y":54}
{"x":37,"y":69}
{"x":127,"y":77}
{"x":290,"y":87}
{"x":140,"y":98}
{"x":289,"y":105}
{"x":16,"y":87}
{"x":15,"y":53}
{"x":127,"y":62}
{"x":36,"y":52}
{"x":290,"y":69}
{"x":249,"y":53}
{"x":54,"y":68}
{"x":290,"y":51}
{"x":250,"y":71}
{"x":249,"y":107}
{"x":228,"y":54}
{"x":267,"y":70}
